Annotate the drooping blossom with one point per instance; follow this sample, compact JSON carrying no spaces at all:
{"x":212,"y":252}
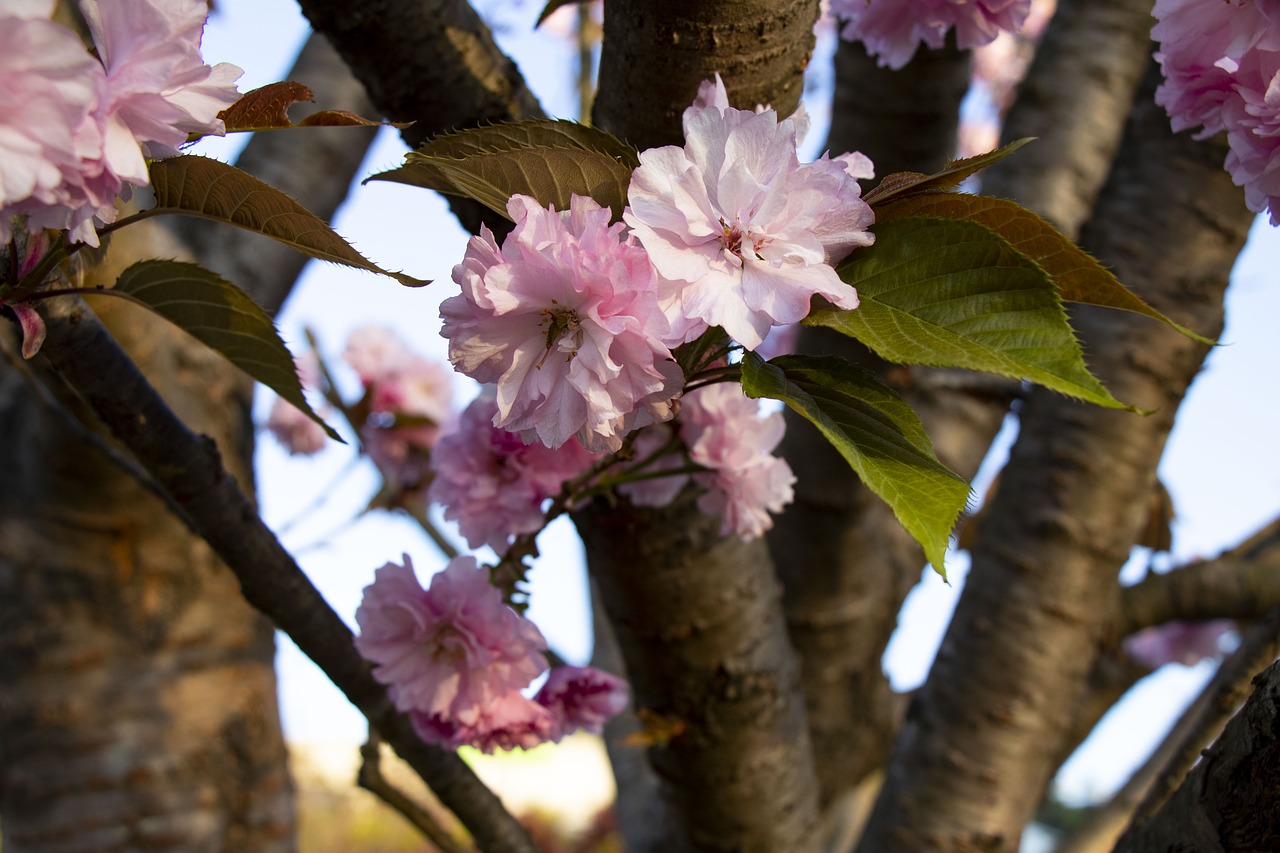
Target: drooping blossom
{"x":582,"y":697}
{"x":564,"y":319}
{"x":891,"y":30}
{"x":1186,"y":643}
{"x":742,"y":234}
{"x":1221,"y":65}
{"x":409,"y":400}
{"x":726,"y":433}
{"x":448,"y":652}
{"x":507,"y":722}
{"x":493,"y":484}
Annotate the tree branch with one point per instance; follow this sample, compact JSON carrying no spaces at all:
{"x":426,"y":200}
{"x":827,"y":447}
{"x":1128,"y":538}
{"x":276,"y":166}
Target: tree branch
{"x":433,"y":62}
{"x":1227,"y":802}
{"x":760,"y":48}
{"x":189,"y":468}
{"x":1243,"y":583}
{"x":1101,"y":47}
{"x":1202,"y":722}
{"x":698,"y":621}
{"x":371,"y":779}
{"x":984,"y":734}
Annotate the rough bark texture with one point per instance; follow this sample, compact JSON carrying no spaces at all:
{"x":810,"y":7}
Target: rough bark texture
{"x":189,"y":468}
{"x":433,"y":63}
{"x":139,"y":707}
{"x":1228,"y":802}
{"x":983,"y":735}
{"x":1074,"y":101}
{"x":655,"y":54}
{"x":698,"y":622}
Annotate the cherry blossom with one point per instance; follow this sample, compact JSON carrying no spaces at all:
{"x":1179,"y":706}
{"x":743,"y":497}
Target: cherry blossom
{"x":73,"y":133}
{"x":1186,"y":643}
{"x":1221,"y":66}
{"x":725,"y":433}
{"x":741,"y":233}
{"x":47,"y":137}
{"x":493,"y":484}
{"x":891,"y":30}
{"x":451,"y":650}
{"x":582,"y":697}
{"x":507,"y":722}
{"x":564,"y":319}
{"x":158,"y":88}
{"x":409,"y":400}
{"x":297,"y":433}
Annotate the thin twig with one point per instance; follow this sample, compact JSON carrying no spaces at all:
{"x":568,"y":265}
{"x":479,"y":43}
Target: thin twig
{"x":371,"y":779}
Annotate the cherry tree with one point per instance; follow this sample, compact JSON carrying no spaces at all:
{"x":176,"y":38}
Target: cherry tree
{"x":623,"y":300}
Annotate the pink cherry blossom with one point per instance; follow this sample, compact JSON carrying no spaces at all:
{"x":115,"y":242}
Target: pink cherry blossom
{"x":158,"y":86}
{"x":47,"y":135}
{"x":299,"y":434}
{"x":582,"y":697}
{"x":741,"y":233}
{"x":725,"y":433}
{"x":1221,"y":66}
{"x":891,"y":30}
{"x":564,"y":319}
{"x":451,"y":650}
{"x":493,"y":484}
{"x":507,"y":722}
{"x":409,"y":399}
{"x":1186,"y":643}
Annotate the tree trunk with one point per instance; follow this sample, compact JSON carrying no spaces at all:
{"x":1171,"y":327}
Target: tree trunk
{"x":139,"y":707}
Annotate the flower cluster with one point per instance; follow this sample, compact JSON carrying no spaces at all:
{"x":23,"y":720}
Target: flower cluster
{"x":891,"y":30}
{"x":1221,"y":66}
{"x":726,"y":435}
{"x":575,"y":321}
{"x":456,"y":658}
{"x":575,"y":318}
{"x":75,"y":130}
{"x":493,"y":484}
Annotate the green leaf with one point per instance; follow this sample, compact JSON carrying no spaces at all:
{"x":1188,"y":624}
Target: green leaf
{"x":1078,"y":275}
{"x":548,"y":159}
{"x":904,"y":184}
{"x":953,"y":293}
{"x":222,"y":317}
{"x":877,"y":433}
{"x":200,"y":186}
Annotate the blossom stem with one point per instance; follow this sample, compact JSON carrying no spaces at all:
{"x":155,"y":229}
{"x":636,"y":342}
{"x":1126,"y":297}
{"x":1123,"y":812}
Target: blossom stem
{"x":732,"y":373}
